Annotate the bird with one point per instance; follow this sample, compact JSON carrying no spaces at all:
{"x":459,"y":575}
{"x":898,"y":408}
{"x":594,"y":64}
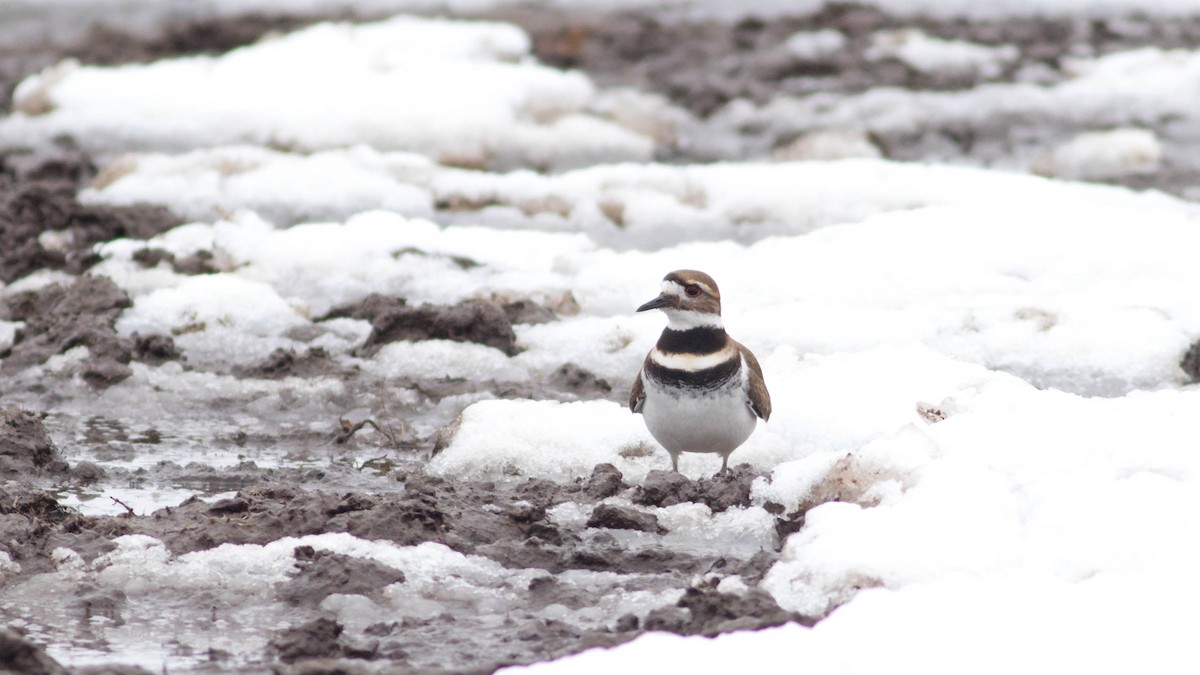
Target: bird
{"x":698,"y":390}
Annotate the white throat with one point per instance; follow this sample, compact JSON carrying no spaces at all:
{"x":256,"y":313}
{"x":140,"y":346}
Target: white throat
{"x":681,"y":319}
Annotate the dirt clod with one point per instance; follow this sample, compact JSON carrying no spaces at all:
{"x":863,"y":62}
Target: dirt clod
{"x":281,"y":363}
{"x":1191,"y":362}
{"x":605,"y":481}
{"x":155,"y":349}
{"x":57,"y":319}
{"x":321,"y":573}
{"x":726,"y":490}
{"x":315,"y":639}
{"x":20,"y":655}
{"x":664,"y":488}
{"x":42,"y":225}
{"x":25,"y":446}
{"x":616,"y":517}
{"x":711,"y":612}
{"x":394,"y":319}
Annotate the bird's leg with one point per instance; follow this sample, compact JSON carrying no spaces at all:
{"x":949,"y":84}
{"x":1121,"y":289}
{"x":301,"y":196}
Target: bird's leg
{"x":724,"y":464}
{"x":675,"y":462}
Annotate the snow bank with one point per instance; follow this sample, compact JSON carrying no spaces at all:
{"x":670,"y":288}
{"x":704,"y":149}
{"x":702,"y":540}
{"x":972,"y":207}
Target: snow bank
{"x":1038,"y":516}
{"x":459,"y":92}
{"x":547,"y":439}
{"x":926,"y":54}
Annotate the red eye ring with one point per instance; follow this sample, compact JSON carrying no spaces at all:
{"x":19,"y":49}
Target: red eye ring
{"x":692,"y":290}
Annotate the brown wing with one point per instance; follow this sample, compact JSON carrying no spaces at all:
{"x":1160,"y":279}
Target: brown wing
{"x":637,"y":395}
{"x":760,"y":398}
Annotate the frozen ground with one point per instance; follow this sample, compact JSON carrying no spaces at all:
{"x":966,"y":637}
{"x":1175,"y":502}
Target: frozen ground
{"x":324,"y":338}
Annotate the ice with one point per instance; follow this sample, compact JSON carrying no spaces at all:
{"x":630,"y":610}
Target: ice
{"x":337,"y":85}
{"x":142,"y":501}
{"x":7,"y":565}
{"x":225,"y":597}
{"x":736,"y":531}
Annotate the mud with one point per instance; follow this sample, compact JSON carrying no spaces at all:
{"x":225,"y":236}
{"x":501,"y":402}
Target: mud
{"x":394,"y":319}
{"x":42,"y":226}
{"x":322,"y":572}
{"x":624,"y":518}
{"x":719,"y":492}
{"x":705,"y":65}
{"x":58,"y":319}
{"x":200,"y":262}
{"x":25,"y":446}
{"x":281,"y":363}
{"x":505,"y":522}
{"x":1190,"y":363}
{"x":19,"y":655}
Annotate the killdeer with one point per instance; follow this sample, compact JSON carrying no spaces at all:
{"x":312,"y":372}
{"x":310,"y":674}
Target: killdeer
{"x":699,"y":390}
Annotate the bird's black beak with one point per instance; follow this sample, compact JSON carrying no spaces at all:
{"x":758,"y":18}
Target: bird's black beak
{"x":657,"y":303}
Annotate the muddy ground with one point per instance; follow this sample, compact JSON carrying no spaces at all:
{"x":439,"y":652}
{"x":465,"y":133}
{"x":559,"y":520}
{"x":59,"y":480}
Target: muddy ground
{"x":50,"y":444}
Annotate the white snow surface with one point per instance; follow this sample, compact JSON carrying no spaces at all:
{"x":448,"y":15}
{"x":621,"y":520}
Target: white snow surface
{"x":1025,"y":516}
{"x":929,"y":55}
{"x":460,"y":92}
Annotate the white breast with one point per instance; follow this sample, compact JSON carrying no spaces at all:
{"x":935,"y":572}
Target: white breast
{"x":718,"y":421}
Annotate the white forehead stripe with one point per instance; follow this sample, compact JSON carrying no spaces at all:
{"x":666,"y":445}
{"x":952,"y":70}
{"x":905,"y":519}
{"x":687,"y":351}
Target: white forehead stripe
{"x":676,"y":288}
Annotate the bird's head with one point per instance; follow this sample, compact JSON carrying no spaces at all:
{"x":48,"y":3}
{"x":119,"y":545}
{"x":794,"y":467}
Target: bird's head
{"x":690,"y":299}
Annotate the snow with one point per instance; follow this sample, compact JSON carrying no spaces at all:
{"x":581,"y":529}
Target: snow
{"x":939,"y":628}
{"x":1038,"y":516}
{"x":8,"y":333}
{"x":1121,"y":89}
{"x":280,"y":187}
{"x":548,"y":439}
{"x":337,"y":85}
{"x":626,"y":205}
{"x":931,"y":55}
{"x":1104,"y":154}
{"x":815,"y":45}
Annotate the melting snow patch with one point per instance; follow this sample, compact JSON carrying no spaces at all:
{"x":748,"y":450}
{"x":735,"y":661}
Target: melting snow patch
{"x":1104,"y":154}
{"x":931,"y":55}
{"x":335,"y":85}
{"x":547,"y":439}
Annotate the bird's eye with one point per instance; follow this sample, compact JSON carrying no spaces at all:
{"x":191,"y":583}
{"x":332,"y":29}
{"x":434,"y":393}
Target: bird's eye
{"x":692,"y":290}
